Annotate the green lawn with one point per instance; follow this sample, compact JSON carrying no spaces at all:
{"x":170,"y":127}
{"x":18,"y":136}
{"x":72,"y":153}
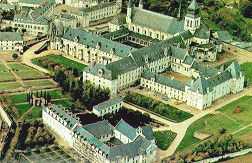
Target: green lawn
{"x":226,"y":118}
{"x":5,"y":74}
{"x":247,"y":69}
{"x":25,"y":72}
{"x":65,"y":103}
{"x":22,"y":108}
{"x":21,"y":98}
{"x":164,"y":139}
{"x":39,"y":83}
{"x":18,"y":98}
{"x":36,"y":113}
{"x":67,"y":63}
{"x":9,"y":86}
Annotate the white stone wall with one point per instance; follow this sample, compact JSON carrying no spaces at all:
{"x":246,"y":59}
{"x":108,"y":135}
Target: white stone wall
{"x":11,"y":46}
{"x":111,"y":109}
{"x":100,"y":81}
{"x":53,"y":122}
{"x":30,"y":28}
{"x":163,"y":89}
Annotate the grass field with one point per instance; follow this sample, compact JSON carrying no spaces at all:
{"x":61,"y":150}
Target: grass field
{"x":25,"y":72}
{"x":224,"y":118}
{"x":22,"y":108}
{"x":67,"y":63}
{"x":39,"y":83}
{"x":247,"y":69}
{"x":36,"y":113}
{"x":9,"y":85}
{"x":5,"y":74}
{"x":164,"y":139}
{"x":21,"y":98}
{"x":65,"y":103}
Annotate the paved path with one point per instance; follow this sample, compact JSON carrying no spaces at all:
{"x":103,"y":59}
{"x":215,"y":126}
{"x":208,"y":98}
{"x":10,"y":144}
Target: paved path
{"x":29,"y":55}
{"x":181,"y":128}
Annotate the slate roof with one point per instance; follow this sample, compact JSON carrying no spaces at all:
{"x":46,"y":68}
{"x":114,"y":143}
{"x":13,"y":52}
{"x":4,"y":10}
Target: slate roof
{"x":163,"y":80}
{"x":205,"y":84}
{"x":108,"y":103}
{"x":92,"y":40}
{"x":99,"y":129}
{"x":138,"y":147}
{"x":60,"y":111}
{"x":92,"y":132}
{"x":126,"y":129}
{"x":148,"y":133}
{"x":138,"y":58}
{"x":224,"y":36}
{"x":10,"y":36}
{"x":203,"y":32}
{"x":158,"y":21}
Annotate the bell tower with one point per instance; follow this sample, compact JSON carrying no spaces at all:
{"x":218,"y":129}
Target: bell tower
{"x":129,"y":11}
{"x":192,"y":18}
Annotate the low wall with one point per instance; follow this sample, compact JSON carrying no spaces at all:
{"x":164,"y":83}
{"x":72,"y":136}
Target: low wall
{"x":5,"y":117}
{"x":230,"y":155}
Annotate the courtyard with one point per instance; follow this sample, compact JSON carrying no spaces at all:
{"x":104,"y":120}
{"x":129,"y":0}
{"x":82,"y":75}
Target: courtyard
{"x":177,"y":76}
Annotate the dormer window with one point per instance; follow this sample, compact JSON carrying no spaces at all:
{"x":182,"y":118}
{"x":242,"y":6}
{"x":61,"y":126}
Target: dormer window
{"x":146,"y":60}
{"x":100,"y":72}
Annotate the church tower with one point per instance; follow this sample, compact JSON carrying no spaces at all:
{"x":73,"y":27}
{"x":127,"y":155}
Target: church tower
{"x":192,"y":18}
{"x":129,"y":11}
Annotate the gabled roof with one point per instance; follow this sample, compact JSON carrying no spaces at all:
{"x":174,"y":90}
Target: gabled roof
{"x":108,"y":103}
{"x":99,"y":129}
{"x":126,"y":129}
{"x":136,"y":148}
{"x":10,"y":36}
{"x":173,"y":83}
{"x":159,"y":22}
{"x":92,"y":40}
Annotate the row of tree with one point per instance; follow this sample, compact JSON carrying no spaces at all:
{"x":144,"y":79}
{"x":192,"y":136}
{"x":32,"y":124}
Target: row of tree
{"x":84,"y":92}
{"x":157,"y":107}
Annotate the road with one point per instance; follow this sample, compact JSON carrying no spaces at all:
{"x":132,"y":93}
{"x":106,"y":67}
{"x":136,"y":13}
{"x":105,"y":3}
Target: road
{"x":29,"y":54}
{"x":181,"y":128}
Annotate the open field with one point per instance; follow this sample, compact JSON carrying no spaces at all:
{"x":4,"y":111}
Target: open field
{"x":25,"y":72}
{"x":57,"y":59}
{"x":235,"y":123}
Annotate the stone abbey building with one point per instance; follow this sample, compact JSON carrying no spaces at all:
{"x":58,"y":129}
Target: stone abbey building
{"x":138,"y":51}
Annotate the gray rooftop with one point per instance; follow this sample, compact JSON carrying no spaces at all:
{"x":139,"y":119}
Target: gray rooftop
{"x":10,"y":36}
{"x":108,"y":103}
{"x":156,"y":21}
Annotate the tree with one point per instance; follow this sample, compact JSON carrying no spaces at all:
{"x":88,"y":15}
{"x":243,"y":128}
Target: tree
{"x":14,"y":56}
